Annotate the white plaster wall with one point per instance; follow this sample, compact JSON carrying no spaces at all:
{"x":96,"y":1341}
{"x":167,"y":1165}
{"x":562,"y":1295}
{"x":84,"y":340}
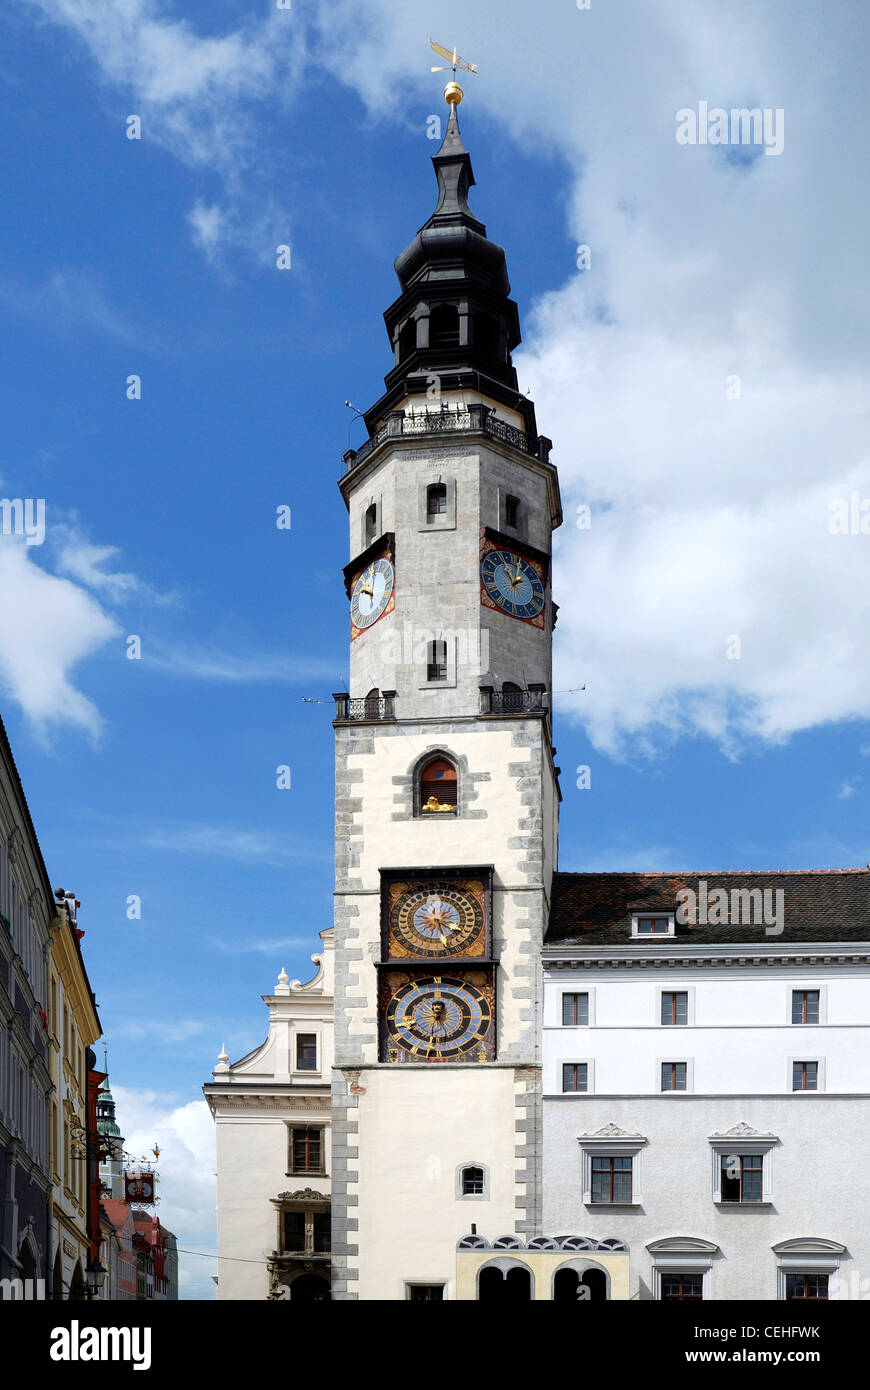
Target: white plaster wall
{"x":251,"y":1164}
{"x":740,"y":1042}
{"x":819,"y":1182}
{"x":415,"y":1127}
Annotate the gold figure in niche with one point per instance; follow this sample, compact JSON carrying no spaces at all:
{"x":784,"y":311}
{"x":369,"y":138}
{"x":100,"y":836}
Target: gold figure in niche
{"x":433,"y":804}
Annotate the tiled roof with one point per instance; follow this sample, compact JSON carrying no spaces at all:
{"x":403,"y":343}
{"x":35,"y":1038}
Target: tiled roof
{"x":593,"y":909}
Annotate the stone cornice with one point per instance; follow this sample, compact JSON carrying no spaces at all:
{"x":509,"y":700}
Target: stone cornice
{"x":645,"y":957}
{"x":69,"y":967}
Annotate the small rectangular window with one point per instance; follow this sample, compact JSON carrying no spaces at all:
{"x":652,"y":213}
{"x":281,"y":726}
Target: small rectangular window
{"x":294,"y":1230}
{"x":306,"y":1150}
{"x":575,"y":1010}
{"x":426,"y":1293}
{"x":436,"y":499}
{"x":322,"y":1227}
{"x":306,"y":1052}
{"x":675,"y":1007}
{"x":436,"y":669}
{"x":575,"y":1076}
{"x":653,"y":926}
{"x":674,"y":1076}
{"x":511,"y":511}
{"x":741,"y":1177}
{"x":805,"y":1006}
{"x":801,"y":1286}
{"x":681,"y":1286}
{"x":805,"y":1076}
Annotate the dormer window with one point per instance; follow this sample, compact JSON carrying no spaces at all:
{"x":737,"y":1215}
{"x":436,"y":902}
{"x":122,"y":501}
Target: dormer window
{"x":438,"y":788}
{"x":652,"y":926}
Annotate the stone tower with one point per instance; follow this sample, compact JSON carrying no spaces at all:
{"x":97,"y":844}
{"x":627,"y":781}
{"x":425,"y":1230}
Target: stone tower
{"x":446,"y":791}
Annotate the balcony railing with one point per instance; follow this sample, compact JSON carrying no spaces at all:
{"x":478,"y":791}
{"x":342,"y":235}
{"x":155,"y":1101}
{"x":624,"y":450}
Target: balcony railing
{"x":367,"y":710}
{"x":531,"y":701}
{"x":475,"y":418}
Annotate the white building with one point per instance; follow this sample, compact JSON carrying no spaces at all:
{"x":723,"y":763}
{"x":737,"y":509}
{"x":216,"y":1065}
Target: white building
{"x":272,"y":1121}
{"x":707,"y":1085}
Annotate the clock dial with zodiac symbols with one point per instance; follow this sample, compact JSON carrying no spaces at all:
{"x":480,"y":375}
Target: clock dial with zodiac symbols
{"x":512,"y":584}
{"x":372,"y":595}
{"x":437,"y":918}
{"x":439,"y":1019}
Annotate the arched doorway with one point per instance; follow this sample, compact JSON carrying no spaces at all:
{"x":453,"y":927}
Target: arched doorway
{"x":579,"y":1282}
{"x":508,"y":1281}
{"x":310,"y":1288}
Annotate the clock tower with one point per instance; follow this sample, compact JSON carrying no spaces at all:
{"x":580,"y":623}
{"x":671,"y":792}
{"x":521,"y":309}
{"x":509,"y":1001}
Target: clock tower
{"x":446,"y":791}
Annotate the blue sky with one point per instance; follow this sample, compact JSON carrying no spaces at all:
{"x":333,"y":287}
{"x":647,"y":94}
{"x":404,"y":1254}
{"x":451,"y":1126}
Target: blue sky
{"x":156,"y":257}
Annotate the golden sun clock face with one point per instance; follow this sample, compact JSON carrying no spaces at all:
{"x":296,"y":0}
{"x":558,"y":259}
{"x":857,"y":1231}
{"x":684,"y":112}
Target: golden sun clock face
{"x":437,"y":919}
{"x":512,"y":583}
{"x":439,"y":1019}
{"x":372,"y":595}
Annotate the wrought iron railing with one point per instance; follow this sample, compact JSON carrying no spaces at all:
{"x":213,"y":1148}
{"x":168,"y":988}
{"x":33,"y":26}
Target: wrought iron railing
{"x":531,"y":701}
{"x":474,"y":418}
{"x":365,"y":710}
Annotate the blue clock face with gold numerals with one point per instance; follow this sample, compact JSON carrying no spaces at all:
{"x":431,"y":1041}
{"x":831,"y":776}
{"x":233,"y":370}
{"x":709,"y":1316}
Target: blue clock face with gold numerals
{"x":371,"y":594}
{"x":512,"y":584}
{"x":437,"y":1019}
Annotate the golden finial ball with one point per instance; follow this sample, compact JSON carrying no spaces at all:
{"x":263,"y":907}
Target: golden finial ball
{"x":453,"y":94}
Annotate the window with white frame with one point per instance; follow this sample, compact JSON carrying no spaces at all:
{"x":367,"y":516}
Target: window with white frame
{"x":808,"y":1270}
{"x":742,"y":1166}
{"x":681,"y":1268}
{"x":575,"y":1009}
{"x":652,"y":926}
{"x":612,"y":1167}
{"x":575,"y":1077}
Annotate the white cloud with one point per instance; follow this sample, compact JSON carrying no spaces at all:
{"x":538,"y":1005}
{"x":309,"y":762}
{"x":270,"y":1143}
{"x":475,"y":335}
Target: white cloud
{"x":230,"y":842}
{"x":709,"y":515}
{"x":70,"y":302}
{"x":237,"y":667}
{"x":187,"y":1164}
{"x":849,"y":788}
{"x":47,"y":627}
{"x":241,"y":947}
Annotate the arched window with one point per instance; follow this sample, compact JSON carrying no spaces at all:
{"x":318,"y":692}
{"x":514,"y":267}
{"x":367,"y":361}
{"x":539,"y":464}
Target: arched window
{"x":512,"y":697}
{"x":371,"y":523}
{"x":436,"y":499}
{"x":444,"y":326}
{"x":473,"y":1182}
{"x":407,"y":339}
{"x":373,"y":704}
{"x":439,"y":787}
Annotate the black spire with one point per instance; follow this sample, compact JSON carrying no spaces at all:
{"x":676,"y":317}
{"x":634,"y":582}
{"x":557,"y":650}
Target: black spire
{"x":454,"y":317}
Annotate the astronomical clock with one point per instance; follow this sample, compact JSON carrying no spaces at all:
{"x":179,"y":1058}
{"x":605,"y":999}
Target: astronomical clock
{"x":371,"y":586}
{"x":437,"y":986}
{"x":513,"y":579}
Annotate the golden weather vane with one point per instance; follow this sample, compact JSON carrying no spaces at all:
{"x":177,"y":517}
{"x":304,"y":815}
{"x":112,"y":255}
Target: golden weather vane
{"x":453,"y":91}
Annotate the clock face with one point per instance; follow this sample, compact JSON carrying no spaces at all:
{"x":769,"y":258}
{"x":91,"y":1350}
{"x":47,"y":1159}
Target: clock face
{"x":435,"y":1019}
{"x":372,"y":595}
{"x":512,"y":584}
{"x":437,"y":919}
